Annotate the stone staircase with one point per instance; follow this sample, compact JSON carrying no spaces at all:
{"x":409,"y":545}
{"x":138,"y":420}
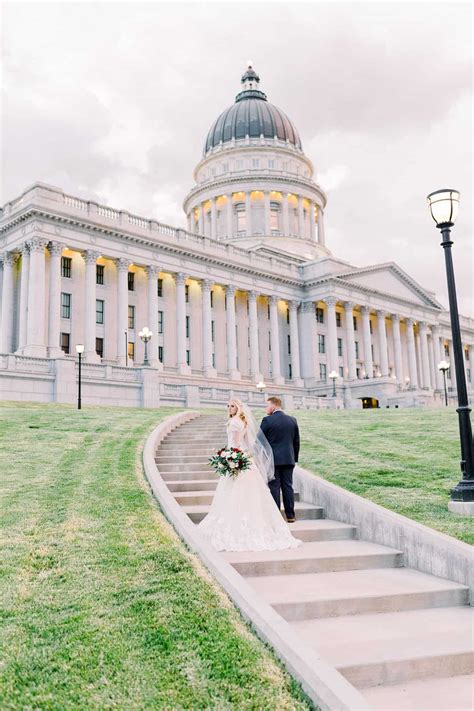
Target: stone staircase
{"x":403,"y":638}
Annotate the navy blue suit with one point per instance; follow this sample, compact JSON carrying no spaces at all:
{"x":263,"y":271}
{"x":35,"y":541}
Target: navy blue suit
{"x":283,"y":435}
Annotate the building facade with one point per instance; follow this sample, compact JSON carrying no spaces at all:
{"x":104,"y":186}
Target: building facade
{"x":248,"y":293}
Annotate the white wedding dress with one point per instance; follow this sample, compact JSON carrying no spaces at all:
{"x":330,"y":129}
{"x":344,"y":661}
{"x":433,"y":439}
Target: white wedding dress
{"x":243,"y":514}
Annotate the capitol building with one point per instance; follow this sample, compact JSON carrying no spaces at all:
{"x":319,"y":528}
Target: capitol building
{"x":250,"y":293}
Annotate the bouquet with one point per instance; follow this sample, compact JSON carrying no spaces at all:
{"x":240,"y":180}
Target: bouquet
{"x":230,"y":461}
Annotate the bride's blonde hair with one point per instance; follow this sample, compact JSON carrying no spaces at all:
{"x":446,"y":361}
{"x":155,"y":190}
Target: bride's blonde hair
{"x":240,"y":410}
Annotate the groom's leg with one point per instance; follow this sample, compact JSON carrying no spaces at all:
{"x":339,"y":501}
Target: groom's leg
{"x":286,"y":479}
{"x":274,"y":486}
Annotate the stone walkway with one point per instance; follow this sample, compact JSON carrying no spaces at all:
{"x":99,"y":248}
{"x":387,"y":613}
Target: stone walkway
{"x":403,"y":638}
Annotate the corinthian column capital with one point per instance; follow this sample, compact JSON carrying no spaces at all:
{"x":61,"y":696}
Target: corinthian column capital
{"x":207,"y":284}
{"x":152,"y":271}
{"x":56,"y":248}
{"x":90,"y":257}
{"x":37,"y":244}
{"x":122,"y":264}
{"x":181,"y":278}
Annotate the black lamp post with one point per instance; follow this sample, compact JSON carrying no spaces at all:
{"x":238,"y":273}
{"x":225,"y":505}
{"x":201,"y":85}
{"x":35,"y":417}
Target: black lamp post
{"x":260,"y":386}
{"x":444,"y":367}
{"x":146,"y":335}
{"x":444,"y":206}
{"x":79,"y":351}
{"x":334,"y":376}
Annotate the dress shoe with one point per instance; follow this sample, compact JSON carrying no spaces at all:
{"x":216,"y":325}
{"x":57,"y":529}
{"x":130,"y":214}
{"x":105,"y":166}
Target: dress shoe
{"x":290,"y":520}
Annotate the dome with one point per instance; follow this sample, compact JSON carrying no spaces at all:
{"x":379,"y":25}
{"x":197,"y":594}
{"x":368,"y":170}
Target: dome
{"x":251,"y":115}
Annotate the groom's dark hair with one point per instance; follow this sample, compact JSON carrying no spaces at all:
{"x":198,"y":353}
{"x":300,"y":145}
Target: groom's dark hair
{"x":275,"y":400}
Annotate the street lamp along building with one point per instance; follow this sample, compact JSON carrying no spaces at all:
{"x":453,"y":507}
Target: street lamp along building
{"x":249,"y":293}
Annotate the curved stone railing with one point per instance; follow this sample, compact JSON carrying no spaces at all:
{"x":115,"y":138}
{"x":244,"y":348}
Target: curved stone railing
{"x":324,"y":685}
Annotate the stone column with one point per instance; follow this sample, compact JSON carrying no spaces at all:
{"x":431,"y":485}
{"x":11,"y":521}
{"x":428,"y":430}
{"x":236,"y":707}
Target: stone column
{"x":35,"y":341}
{"x":382,"y":330}
{"x":90,"y":258}
{"x":307,"y":322}
{"x":368,"y":360}
{"x":231,"y":335}
{"x":190,"y":223}
{"x":312,"y":224}
{"x":332,"y":359}
{"x":301,"y":230}
{"x":350,"y":339}
{"x":25,"y":270}
{"x":286,"y":214}
{"x":6,"y":343}
{"x":432,"y":361}
{"x":321,"y":234}
{"x":152,"y":286}
{"x":253,"y":337}
{"x":230,"y":220}
{"x":295,"y":344}
{"x":122,"y":309}
{"x":248,"y":214}
{"x":201,"y":218}
{"x":54,"y":313}
{"x":266,"y":210}
{"x":411,"y":353}
{"x":213,"y":218}
{"x":435,"y":332}
{"x":397,"y":348}
{"x":183,"y":367}
{"x":425,"y":359}
{"x":209,"y":370}
{"x":275,"y":341}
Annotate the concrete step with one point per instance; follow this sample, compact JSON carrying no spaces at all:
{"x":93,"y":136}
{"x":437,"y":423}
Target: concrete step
{"x":322,"y":529}
{"x":181,"y":458}
{"x":315,"y":557}
{"x":396,"y":646}
{"x":302,"y":511}
{"x":302,"y":597}
{"x":186,"y":448}
{"x":185,"y":474}
{"x":201,"y":497}
{"x":455,"y":693}
{"x":192,"y":485}
{"x":181,"y":467}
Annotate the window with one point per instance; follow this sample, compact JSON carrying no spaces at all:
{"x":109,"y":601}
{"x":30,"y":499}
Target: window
{"x":341,"y":371}
{"x":131,"y":317}
{"x":99,"y":311}
{"x":338,"y":319}
{"x":99,"y":273}
{"x":160,"y":287}
{"x":255,"y":163}
{"x":213,"y":331}
{"x":131,"y":350}
{"x":160,"y":321}
{"x":339,"y":346}
{"x":271,"y":164}
{"x":65,"y":306}
{"x":274,"y":218}
{"x":289,"y":371}
{"x":269,"y":341}
{"x":372,"y":351}
{"x":468,"y":375}
{"x":466,"y":353}
{"x":99,"y":347}
{"x":371,"y":326}
{"x":289,"y":344}
{"x":268,"y":310}
{"x":131,"y":281}
{"x":446,"y":349}
{"x":356,"y":343}
{"x":66,"y":264}
{"x":225,"y":302}
{"x":321,"y":343}
{"x":448,"y":374}
{"x":319,"y":315}
{"x":65,"y":342}
{"x":213,"y":360}
{"x":354,"y":321}
{"x":188,"y":357}
{"x":241,"y":222}
{"x":225,"y":167}
{"x":212,"y":299}
{"x":288,"y":314}
{"x":358,"y":372}
{"x":186,"y":293}
{"x":160,"y":354}
{"x":187,"y":327}
{"x":322,"y":371}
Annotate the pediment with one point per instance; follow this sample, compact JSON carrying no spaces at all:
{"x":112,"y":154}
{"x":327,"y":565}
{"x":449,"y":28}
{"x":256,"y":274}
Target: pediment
{"x":390,"y":279}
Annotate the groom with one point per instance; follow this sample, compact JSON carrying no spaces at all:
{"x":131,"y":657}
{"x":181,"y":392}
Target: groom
{"x":283,"y":435}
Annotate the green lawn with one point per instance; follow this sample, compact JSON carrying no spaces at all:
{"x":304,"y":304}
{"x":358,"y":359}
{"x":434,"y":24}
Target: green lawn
{"x":102,"y":606}
{"x":406,"y":460}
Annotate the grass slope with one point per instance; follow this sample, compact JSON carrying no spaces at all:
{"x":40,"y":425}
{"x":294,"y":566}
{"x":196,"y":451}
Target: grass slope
{"x":102,"y":606}
{"x":406,"y":460}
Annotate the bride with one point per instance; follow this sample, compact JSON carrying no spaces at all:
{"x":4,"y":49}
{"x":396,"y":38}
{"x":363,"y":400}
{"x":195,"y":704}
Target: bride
{"x":243,"y":515}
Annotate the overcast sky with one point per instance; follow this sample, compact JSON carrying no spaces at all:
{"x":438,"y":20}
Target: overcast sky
{"x":112,"y":101}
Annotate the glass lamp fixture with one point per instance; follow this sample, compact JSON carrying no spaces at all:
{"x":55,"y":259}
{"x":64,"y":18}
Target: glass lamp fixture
{"x":444,"y":366}
{"x":80,"y":348}
{"x":444,"y":206}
